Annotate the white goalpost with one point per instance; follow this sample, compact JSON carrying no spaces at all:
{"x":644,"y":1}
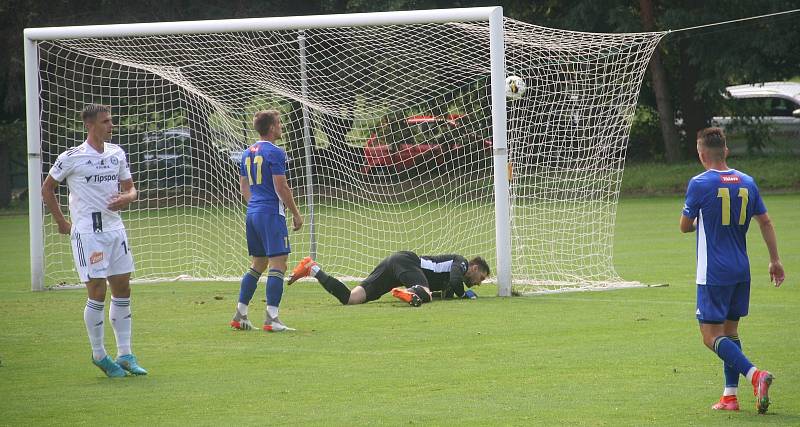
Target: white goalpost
{"x":397,"y":125}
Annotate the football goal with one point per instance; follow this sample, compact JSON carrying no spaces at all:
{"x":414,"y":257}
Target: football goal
{"x":401,"y":131}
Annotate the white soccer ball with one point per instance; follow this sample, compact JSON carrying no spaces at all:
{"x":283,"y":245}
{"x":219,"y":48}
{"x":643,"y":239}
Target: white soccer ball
{"x":515,"y":87}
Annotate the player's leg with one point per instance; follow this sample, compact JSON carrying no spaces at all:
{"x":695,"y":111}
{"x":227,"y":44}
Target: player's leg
{"x":410,"y":275}
{"x":379,"y":282}
{"x":759,"y":378}
{"x":406,"y":268}
{"x":358,"y":295}
{"x":276,"y":238}
{"x":89,"y":260}
{"x":346,"y":296}
{"x":729,"y":400}
{"x":249,"y":282}
{"x":277,"y":267}
{"x":715,"y":305}
{"x":414,"y":295}
{"x":119,"y":279}
{"x":726,"y":349}
{"x":335,"y":287}
{"x":247,"y":289}
{"x":121,"y":321}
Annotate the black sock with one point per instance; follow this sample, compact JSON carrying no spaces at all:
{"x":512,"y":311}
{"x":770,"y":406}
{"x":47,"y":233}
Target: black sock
{"x":334,"y":287}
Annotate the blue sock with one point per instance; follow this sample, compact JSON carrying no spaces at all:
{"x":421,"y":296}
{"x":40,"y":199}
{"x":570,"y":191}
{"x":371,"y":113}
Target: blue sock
{"x":732,"y":355}
{"x":248,"y":286}
{"x":274,"y":287}
{"x":731,"y":375}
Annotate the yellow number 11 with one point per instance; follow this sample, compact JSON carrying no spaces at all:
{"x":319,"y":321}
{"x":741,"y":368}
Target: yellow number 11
{"x":259,"y":161}
{"x":725,"y":195}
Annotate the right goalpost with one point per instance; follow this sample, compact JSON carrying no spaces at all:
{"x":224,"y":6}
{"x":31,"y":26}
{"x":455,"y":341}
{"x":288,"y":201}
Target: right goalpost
{"x":397,"y":125}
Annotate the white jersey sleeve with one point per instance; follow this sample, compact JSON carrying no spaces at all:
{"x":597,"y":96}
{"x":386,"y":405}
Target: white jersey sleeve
{"x":124,"y":167}
{"x":63,"y":166}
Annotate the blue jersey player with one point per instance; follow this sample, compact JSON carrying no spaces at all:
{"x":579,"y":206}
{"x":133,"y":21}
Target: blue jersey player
{"x":262,"y":179}
{"x":719,"y":205}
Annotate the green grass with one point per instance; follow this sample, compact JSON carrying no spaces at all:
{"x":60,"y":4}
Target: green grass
{"x":626,"y":357}
{"x":773,"y":173}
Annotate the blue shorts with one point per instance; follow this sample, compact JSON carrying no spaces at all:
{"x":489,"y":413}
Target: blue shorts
{"x":267,"y":235}
{"x":716,"y":304}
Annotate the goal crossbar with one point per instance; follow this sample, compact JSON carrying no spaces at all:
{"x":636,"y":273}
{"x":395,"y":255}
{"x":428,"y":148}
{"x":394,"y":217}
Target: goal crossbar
{"x":265,"y":24}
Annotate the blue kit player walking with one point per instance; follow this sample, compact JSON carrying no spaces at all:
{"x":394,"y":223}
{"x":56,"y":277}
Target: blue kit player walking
{"x":262,"y":179}
{"x":719,"y":205}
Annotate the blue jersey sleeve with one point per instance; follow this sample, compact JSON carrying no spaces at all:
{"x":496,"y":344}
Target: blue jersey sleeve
{"x":277,"y":162}
{"x":242,"y":167}
{"x":691,"y":205}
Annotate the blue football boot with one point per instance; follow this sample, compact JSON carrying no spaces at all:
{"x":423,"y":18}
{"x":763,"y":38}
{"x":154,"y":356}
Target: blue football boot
{"x":128,"y":363}
{"x":110,"y":368}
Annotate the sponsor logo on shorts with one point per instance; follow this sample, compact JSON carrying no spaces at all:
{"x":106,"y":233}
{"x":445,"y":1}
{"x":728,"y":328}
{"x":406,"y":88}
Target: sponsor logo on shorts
{"x":729,"y":179}
{"x":95,"y":257}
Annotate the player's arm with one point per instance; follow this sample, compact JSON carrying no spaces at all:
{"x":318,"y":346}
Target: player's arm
{"x":281,"y":185}
{"x":776,"y":273}
{"x":125,"y":197}
{"x":688,"y":225}
{"x":457,"y":270}
{"x":128,"y":191}
{"x":244,"y":187}
{"x":691,"y":207}
{"x":50,"y":200}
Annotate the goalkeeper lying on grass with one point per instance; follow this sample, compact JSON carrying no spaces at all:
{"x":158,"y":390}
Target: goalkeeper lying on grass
{"x":420,"y":275}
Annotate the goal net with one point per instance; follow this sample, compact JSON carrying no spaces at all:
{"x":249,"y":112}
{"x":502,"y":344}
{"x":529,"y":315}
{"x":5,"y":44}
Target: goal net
{"x":389,"y":133}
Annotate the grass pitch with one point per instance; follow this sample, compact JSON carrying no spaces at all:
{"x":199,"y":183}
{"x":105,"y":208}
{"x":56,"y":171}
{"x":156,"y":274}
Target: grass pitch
{"x":626,"y":357}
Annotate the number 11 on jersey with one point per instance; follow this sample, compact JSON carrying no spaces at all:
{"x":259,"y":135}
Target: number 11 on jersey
{"x":725,"y":195}
{"x":259,"y":160}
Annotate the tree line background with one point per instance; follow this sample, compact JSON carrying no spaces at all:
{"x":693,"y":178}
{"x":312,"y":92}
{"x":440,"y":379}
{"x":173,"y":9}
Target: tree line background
{"x":683,"y":85}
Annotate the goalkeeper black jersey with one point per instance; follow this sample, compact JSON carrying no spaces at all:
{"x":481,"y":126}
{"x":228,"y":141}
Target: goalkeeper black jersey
{"x":445,"y":273}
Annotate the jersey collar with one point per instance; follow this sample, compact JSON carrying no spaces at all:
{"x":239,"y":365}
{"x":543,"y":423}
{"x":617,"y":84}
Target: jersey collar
{"x":268,"y":142}
{"x":89,"y":147}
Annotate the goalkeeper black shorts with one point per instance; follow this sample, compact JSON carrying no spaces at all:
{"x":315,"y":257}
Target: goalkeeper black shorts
{"x":399,"y":269}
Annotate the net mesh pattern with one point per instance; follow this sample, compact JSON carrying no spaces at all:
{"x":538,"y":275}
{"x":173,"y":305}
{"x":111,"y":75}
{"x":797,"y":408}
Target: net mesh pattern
{"x":392,"y":122}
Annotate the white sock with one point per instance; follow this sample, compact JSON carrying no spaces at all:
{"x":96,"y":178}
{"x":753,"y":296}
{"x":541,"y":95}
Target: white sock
{"x":750,"y":374}
{"x":242,"y":309}
{"x":314,"y":270}
{"x":120,"y":315}
{"x":272,"y":311}
{"x":93,"y":316}
{"x":730,"y":391}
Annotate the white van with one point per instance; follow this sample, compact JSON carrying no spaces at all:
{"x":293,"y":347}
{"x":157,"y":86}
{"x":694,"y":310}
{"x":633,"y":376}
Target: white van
{"x":775,"y":105}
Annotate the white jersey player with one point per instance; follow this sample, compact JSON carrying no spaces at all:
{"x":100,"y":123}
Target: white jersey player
{"x":100,"y":184}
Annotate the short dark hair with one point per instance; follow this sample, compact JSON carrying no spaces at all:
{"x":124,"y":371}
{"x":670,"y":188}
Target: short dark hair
{"x":713,"y":140}
{"x":481,"y":263}
{"x":263,"y":120}
{"x":90,"y":111}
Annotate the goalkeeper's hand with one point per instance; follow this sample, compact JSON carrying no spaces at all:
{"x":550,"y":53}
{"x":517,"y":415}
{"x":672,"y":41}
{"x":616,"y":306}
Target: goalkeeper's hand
{"x":470,"y":294}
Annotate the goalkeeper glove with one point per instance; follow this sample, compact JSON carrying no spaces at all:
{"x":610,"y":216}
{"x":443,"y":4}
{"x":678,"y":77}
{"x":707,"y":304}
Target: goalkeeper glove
{"x":470,"y":294}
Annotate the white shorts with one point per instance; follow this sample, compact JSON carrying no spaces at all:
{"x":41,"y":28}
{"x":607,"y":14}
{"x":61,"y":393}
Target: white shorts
{"x":99,"y":255}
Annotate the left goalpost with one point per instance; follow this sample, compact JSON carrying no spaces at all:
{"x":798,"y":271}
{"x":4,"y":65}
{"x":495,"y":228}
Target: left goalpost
{"x":397,"y":126}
